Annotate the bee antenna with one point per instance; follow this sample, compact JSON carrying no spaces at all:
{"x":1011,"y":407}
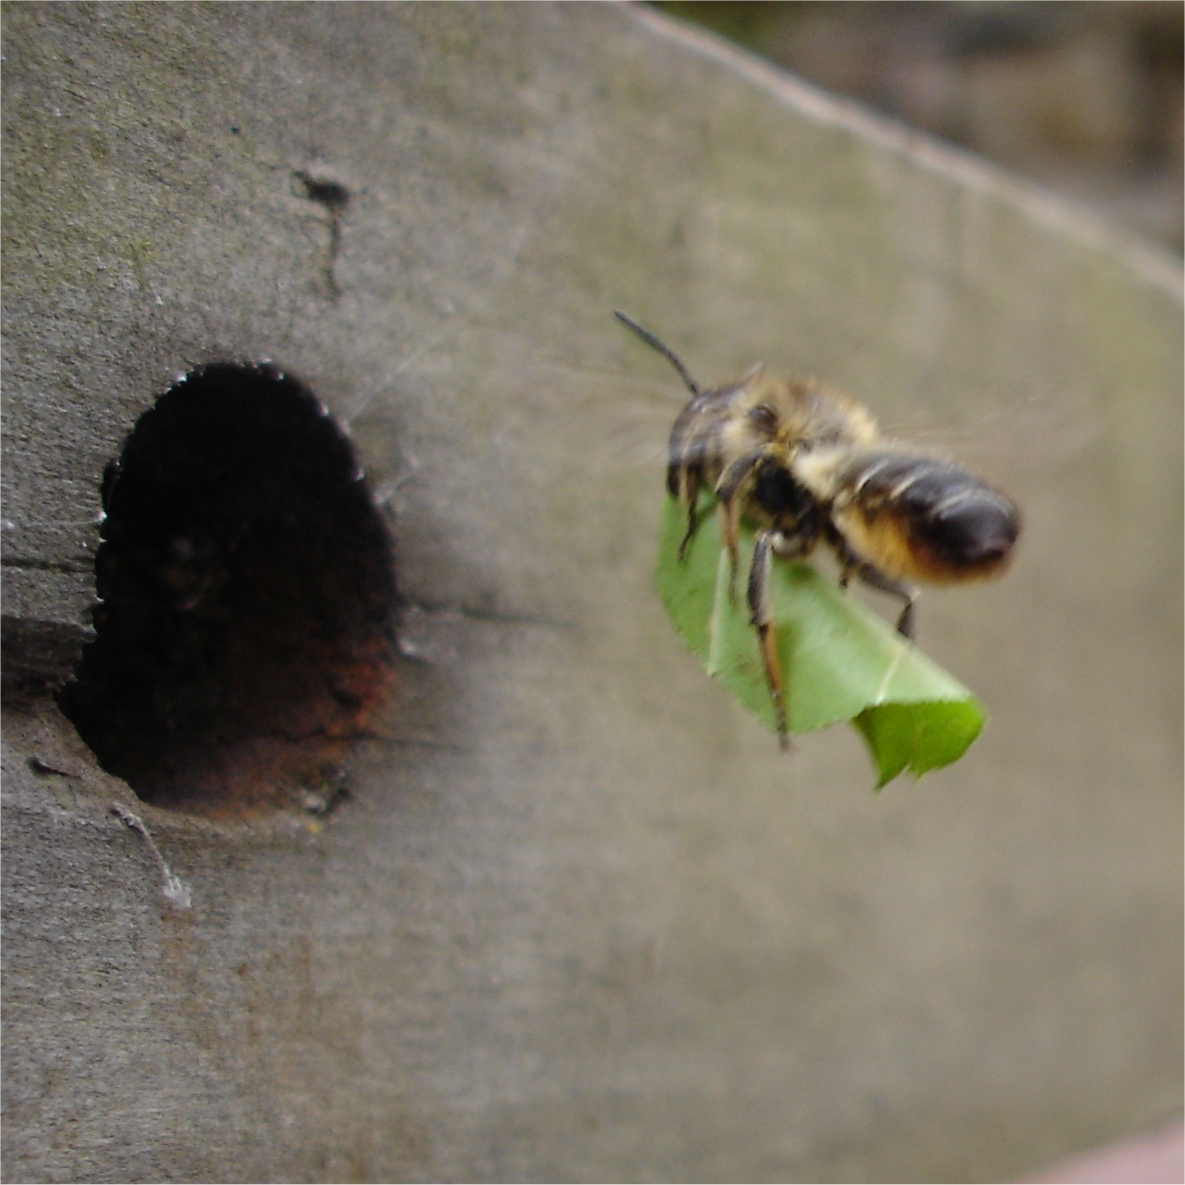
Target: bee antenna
{"x":661,"y":347}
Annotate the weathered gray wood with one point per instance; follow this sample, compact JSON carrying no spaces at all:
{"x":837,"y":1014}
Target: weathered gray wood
{"x":585,"y":921}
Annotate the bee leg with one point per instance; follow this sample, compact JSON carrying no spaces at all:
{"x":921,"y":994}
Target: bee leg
{"x":728,"y":490}
{"x":689,"y":493}
{"x":875,"y":578}
{"x":762,"y":619}
{"x":849,"y":563}
{"x":730,"y":514}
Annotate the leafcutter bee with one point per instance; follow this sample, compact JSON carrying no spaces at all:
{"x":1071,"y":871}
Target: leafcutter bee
{"x":805,"y":465}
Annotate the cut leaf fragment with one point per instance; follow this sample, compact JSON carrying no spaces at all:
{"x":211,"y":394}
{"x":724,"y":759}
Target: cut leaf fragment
{"x":840,"y":661}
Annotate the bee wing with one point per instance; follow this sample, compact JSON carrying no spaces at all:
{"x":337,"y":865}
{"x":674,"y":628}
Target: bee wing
{"x":623,"y":418}
{"x":640,"y":430}
{"x":1010,"y":441}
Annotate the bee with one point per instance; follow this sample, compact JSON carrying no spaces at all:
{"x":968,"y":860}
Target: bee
{"x":805,"y":465}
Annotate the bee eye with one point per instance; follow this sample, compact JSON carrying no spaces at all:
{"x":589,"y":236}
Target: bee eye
{"x":974,"y":528}
{"x":764,"y":419}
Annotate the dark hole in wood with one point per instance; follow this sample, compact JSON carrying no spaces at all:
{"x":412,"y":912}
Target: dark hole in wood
{"x":246,"y":585}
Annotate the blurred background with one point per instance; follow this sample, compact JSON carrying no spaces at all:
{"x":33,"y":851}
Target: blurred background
{"x":1085,"y":98}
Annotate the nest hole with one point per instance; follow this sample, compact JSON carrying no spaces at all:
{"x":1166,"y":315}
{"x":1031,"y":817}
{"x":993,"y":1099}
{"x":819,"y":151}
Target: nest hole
{"x":244,"y":630}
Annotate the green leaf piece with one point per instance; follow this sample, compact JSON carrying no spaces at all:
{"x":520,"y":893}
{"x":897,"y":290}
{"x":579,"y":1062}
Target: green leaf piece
{"x":840,"y":661}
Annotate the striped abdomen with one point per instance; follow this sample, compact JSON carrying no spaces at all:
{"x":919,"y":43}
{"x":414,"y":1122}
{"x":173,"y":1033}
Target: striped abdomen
{"x":925,"y":519}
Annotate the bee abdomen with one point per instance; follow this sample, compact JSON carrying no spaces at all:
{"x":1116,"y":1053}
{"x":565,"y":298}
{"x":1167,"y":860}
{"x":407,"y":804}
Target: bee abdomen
{"x":939,"y":521}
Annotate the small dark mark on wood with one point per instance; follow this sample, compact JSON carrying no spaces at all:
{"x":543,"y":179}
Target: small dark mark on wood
{"x":43,"y":767}
{"x":36,"y":565}
{"x":38,"y":657}
{"x":335,"y":197}
{"x":330,"y":193}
